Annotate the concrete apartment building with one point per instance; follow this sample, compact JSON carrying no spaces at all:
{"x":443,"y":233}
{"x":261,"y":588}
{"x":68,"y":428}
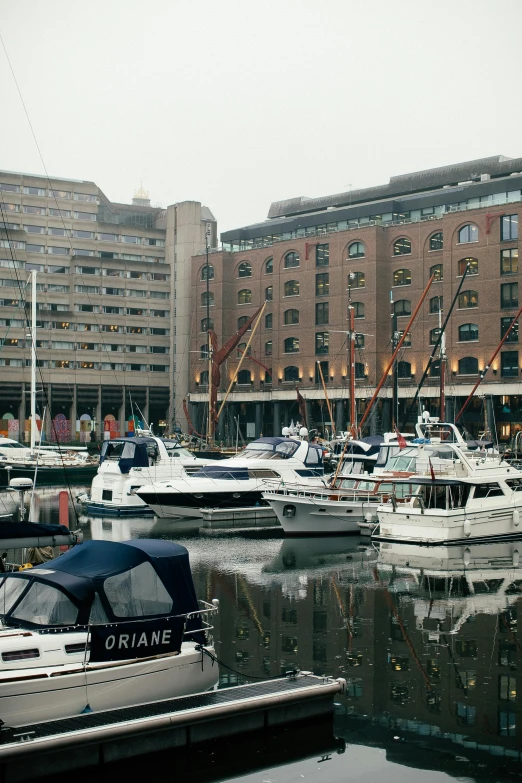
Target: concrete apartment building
{"x":391,"y":238}
{"x":113,"y":305}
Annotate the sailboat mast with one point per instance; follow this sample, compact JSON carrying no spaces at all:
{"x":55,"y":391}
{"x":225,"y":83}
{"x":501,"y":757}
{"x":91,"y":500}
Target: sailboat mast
{"x":210,"y":421}
{"x":442,"y":360}
{"x":395,"y":369}
{"x":33,"y":360}
{"x":351,"y":357}
{"x":326,"y":397}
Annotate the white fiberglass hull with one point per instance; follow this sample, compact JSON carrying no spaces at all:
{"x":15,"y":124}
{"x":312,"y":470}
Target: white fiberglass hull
{"x":436,"y":526}
{"x":33,"y":695}
{"x":309,"y":516}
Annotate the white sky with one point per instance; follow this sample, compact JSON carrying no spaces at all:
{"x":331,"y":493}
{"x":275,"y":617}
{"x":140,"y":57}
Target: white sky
{"x":238,"y":104}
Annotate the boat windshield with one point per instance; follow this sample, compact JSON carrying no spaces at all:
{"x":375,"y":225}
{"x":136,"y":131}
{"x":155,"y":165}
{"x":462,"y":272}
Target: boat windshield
{"x":262,"y":450}
{"x":175,"y":451}
{"x":405,"y":460}
{"x":13,"y":444}
{"x":10,"y":592}
{"x":42,"y":604}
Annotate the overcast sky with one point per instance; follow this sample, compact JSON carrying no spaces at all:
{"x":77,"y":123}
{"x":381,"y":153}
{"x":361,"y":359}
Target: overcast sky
{"x":238,"y":104}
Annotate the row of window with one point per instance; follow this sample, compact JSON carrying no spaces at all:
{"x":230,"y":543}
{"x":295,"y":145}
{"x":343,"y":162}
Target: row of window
{"x":12,"y":342}
{"x":74,"y":233}
{"x":68,"y":365}
{"x":389,"y":218}
{"x":79,"y":327}
{"x":30,"y":190}
{"x":89,"y":308}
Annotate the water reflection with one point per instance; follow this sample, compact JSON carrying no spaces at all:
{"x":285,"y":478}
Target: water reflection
{"x":426,"y":638}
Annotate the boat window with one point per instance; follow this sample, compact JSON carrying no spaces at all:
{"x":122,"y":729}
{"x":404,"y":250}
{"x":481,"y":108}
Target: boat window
{"x":174,"y":450}
{"x":443,"y":453}
{"x":10,"y":592}
{"x":515,"y":484}
{"x":346,"y":483}
{"x":46,"y":605}
{"x":113,"y":450}
{"x":487,"y":491}
{"x":286,"y":449}
{"x":366,"y":486}
{"x":137,"y":592}
{"x":312,"y":456}
{"x":12,"y":445}
{"x":20,"y":655}
{"x":487,"y":586}
{"x":98,"y":613}
{"x":514,"y":588}
{"x":260,"y":473}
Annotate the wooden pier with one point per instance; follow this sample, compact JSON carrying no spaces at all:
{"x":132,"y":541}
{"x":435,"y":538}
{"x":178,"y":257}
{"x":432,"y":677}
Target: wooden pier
{"x":94,"y":739}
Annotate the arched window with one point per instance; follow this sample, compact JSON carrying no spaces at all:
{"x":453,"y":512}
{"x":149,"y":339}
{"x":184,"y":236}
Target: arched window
{"x":207,"y":272}
{"x":436,"y":304}
{"x":468,"y":233}
{"x":402,"y":277}
{"x":468,"y":299}
{"x":291,"y":373}
{"x":206,"y":324}
{"x":291,"y":317}
{"x":268,"y":348}
{"x":358,"y":309}
{"x":241,"y":348}
{"x":360,"y":370}
{"x":203,"y":378}
{"x":292,"y":288}
{"x":269,"y":320}
{"x":434,"y":371}
{"x":356,"y":280}
{"x":436,"y":242}
{"x":291,"y":259}
{"x":292,"y":345}
{"x":471,"y":263}
{"x":468,"y":332}
{"x":468,"y":366}
{"x":356,"y":250}
{"x":244,"y":269}
{"x":402,"y":247}
{"x":244,"y":296}
{"x":242,"y":321}
{"x":269,"y":293}
{"x":438,"y":273}
{"x":402,"y":307}
{"x":244,"y":377}
{"x":269,"y":266}
{"x":404,"y":369}
{"x":434,"y":335}
{"x":203,"y":351}
{"x":204,"y":299}
{"x":268,"y":375}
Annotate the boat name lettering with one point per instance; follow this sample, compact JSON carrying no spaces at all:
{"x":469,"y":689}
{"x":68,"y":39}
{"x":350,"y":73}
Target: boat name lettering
{"x":156,"y":637}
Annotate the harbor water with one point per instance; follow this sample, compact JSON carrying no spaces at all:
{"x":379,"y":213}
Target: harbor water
{"x":427,"y":640}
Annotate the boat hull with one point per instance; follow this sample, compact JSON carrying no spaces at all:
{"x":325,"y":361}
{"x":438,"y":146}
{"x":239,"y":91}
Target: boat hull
{"x":40,"y":695}
{"x":50,"y":476}
{"x":305,"y":516}
{"x":186,"y":504}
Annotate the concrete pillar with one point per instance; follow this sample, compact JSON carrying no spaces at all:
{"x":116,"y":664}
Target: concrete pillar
{"x":277,"y":418}
{"x":386,"y":415}
{"x":450,"y":413}
{"x":98,"y":415}
{"x":340,"y":423}
{"x":259,"y":419}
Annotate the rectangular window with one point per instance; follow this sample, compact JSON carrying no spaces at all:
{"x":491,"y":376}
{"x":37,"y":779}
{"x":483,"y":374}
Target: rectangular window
{"x":87,"y":270}
{"x":87,"y":328}
{"x":130,"y":257}
{"x":87,"y":308}
{"x":111,"y":347}
{"x":29,"y":191}
{"x":34,"y":248}
{"x":113,"y":328}
{"x":9,"y":226}
{"x":82,"y":252}
{"x":136,"y":311}
{"x":159,"y":367}
{"x":57,"y":232}
{"x":85,"y":197}
{"x":322,"y":255}
{"x":324,"y":369}
{"x":58,"y":289}
{"x":509,"y":295}
{"x":160,"y":276}
{"x":87,"y":289}
{"x":136,"y":367}
{"x":135,"y":275}
{"x":508,"y":227}
{"x":160,"y":332}
{"x":158,"y":349}
{"x":7,"y":186}
{"x":160,"y":313}
{"x":507,"y":724}
{"x":507,"y":687}
{"x":64,"y":213}
{"x":60,"y":193}
{"x":509,"y":364}
{"x":112,"y":310}
{"x":113,"y":291}
{"x":159,"y":295}
{"x":58,"y":251}
{"x":509,"y":261}
{"x":62,"y":345}
{"x":112,"y":273}
{"x":108,"y":237}
{"x":322,"y":284}
{"x":321,"y":342}
{"x":136,"y":292}
{"x":30,"y":210}
{"x":504,"y":326}
{"x":130,"y":240}
{"x":83,"y":234}
{"x":321,"y":313}
{"x":85,"y":215}
{"x":35,"y":229}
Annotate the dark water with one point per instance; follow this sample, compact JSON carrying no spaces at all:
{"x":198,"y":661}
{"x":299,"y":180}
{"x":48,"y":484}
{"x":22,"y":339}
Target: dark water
{"x":426,"y":639}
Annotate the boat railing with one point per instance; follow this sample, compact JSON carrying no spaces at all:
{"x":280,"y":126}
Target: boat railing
{"x":206,"y":610}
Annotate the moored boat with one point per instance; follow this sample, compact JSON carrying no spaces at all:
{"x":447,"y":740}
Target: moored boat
{"x":106,"y":625}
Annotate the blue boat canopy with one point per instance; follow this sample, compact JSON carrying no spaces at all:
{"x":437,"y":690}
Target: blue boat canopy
{"x":103,"y":582}
{"x":130,"y":452}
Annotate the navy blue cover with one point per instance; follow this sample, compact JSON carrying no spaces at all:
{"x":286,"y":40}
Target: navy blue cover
{"x":81,"y":572}
{"x":30,"y":530}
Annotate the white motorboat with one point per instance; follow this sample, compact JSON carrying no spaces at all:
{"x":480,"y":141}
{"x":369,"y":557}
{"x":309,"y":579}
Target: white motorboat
{"x":238,"y":482}
{"x":127,"y":464}
{"x":106,"y":625}
{"x":457,"y":494}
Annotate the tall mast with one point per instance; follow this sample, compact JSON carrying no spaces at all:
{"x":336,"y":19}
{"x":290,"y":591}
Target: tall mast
{"x":395,"y":369}
{"x":33,"y":361}
{"x":326,"y":397}
{"x":351,"y":356}
{"x":210,"y":422}
{"x":442,"y":361}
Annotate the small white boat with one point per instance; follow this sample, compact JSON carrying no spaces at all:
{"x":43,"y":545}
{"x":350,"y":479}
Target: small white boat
{"x":238,"y":482}
{"x":106,"y":625}
{"x":127,"y":464}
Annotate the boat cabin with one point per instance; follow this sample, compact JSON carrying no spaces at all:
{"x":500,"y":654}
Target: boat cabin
{"x":141,"y":452}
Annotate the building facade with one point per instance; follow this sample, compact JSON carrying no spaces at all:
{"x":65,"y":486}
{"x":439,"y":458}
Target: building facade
{"x":380,"y":247}
{"x":113,"y":294}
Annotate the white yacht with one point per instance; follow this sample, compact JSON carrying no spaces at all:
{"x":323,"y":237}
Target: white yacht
{"x":238,"y":482}
{"x":458,"y":493}
{"x":106,"y":625}
{"x":54,"y":464}
{"x":127,"y":464}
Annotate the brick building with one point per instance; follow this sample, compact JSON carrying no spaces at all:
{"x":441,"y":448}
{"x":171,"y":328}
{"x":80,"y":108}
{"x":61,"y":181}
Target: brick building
{"x":392,"y":238}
